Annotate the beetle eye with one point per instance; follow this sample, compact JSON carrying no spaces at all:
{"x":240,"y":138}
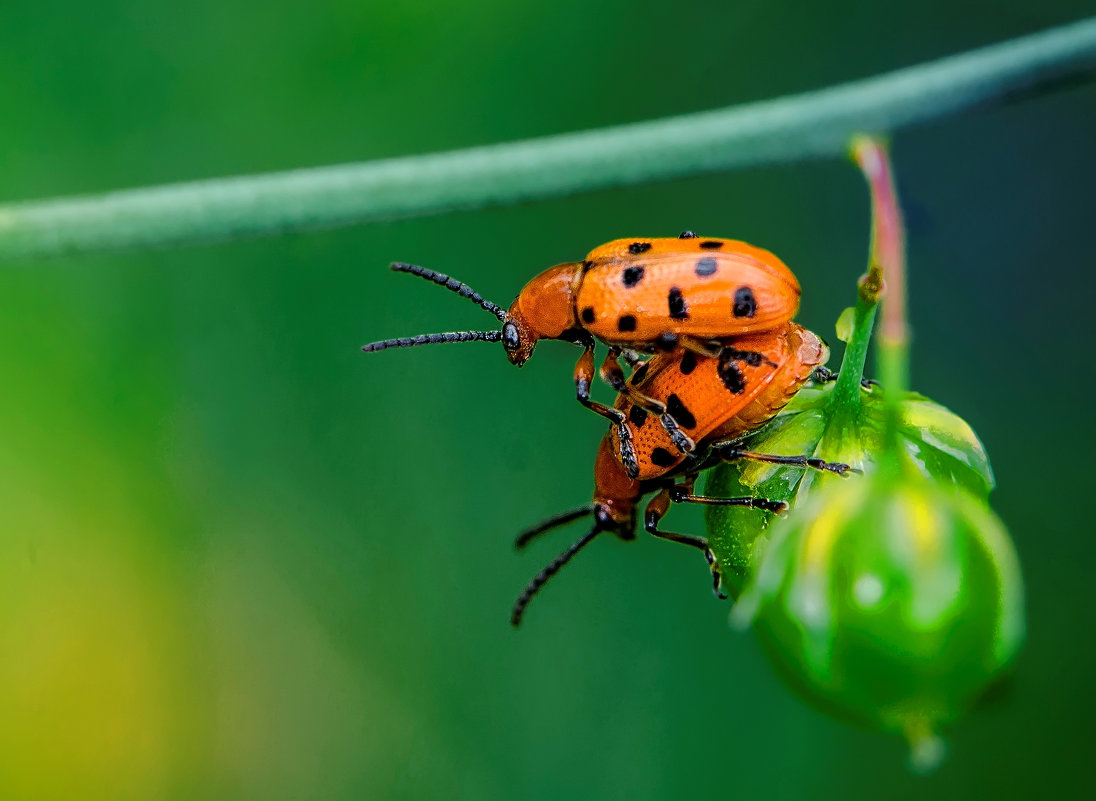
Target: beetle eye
{"x":510,"y":339}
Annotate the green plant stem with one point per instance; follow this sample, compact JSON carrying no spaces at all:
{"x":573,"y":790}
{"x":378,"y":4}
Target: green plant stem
{"x":887,"y":261}
{"x":885,"y":280}
{"x":812,"y":125}
{"x":886,"y":277}
{"x":845,"y":398}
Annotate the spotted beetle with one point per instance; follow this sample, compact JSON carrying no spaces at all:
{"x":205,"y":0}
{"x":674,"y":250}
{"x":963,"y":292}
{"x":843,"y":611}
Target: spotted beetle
{"x":699,"y":398}
{"x":635,"y":295}
{"x":714,"y":401}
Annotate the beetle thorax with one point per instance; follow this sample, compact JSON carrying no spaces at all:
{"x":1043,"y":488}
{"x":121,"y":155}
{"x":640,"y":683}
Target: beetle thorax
{"x":544,"y":309}
{"x":546,"y":304}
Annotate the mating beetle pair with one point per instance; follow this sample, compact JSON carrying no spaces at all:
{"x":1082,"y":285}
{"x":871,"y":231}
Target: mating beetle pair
{"x":716,"y":316}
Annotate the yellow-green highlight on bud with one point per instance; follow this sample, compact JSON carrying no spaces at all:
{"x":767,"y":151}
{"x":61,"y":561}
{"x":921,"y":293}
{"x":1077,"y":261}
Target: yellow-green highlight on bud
{"x":893,"y":601}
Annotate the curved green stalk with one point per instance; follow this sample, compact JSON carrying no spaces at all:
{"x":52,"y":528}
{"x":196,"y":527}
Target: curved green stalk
{"x":885,"y":280}
{"x":812,"y":125}
{"x":886,"y":277}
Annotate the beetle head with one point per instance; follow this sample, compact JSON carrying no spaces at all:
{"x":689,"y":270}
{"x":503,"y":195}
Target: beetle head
{"x":544,"y":309}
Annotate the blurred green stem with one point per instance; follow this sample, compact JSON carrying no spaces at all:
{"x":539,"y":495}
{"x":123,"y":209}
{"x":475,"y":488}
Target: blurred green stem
{"x":885,"y":280}
{"x":812,"y":125}
{"x":886,"y":276}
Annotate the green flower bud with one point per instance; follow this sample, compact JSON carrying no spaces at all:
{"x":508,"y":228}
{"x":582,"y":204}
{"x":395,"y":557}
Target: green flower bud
{"x":889,"y":599}
{"x":931,"y":441}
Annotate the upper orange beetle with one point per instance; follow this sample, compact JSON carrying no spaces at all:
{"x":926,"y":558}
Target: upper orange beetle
{"x":639,"y":293}
{"x":634,"y":295}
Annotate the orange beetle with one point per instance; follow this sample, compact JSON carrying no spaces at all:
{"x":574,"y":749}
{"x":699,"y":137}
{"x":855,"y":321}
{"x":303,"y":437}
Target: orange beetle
{"x":709,"y":398}
{"x":643,"y":293}
{"x":714,"y":400}
{"x":632,"y":292}
{"x":634,"y":295}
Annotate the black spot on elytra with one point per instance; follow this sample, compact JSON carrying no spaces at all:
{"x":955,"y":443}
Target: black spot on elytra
{"x":687,"y":235}
{"x":626,"y":323}
{"x":745,"y":304}
{"x":638,"y":416}
{"x":641,"y":373}
{"x":676,"y":409}
{"x":711,"y":244}
{"x":731,"y":377}
{"x":662,"y":457}
{"x":632,"y":276}
{"x":688,"y":363}
{"x":639,"y":247}
{"x":588,"y":315}
{"x":750,"y":357}
{"x":678,"y":309}
{"x":706,"y":266}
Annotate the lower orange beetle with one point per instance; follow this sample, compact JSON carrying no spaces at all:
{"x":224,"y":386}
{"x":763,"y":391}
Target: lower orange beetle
{"x":711,"y":400}
{"x":632,"y":294}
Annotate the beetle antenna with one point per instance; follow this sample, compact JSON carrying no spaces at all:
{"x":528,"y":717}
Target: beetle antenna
{"x":527,"y":536}
{"x":433,"y":339}
{"x":452,"y":284}
{"x":550,"y":570}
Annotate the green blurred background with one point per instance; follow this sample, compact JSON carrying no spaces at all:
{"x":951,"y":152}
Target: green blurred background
{"x":240,"y":559}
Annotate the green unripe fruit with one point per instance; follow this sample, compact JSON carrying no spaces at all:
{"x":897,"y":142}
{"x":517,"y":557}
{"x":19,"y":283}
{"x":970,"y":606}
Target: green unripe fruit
{"x":890,"y":600}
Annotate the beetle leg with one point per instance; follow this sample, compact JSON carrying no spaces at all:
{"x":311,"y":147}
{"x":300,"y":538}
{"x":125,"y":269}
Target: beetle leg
{"x":728,"y":453}
{"x":711,"y":348}
{"x":682,"y":441}
{"x":634,"y":396}
{"x":823,"y":375}
{"x":611,"y":372}
{"x":655,"y":511}
{"x":682,"y":493}
{"x":613,"y":375}
{"x":584,"y":376}
{"x":633,"y":358}
{"x":701,"y":347}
